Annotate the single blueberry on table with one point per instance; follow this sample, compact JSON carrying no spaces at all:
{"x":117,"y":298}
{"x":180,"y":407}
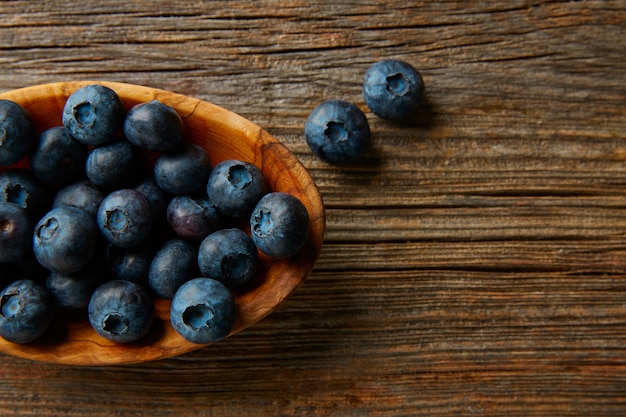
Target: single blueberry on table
{"x":337,"y":132}
{"x":228,"y":256}
{"x":93,"y":114}
{"x":131,"y":264}
{"x":58,"y":158}
{"x":21,"y":187}
{"x":121,"y":311}
{"x":125,"y":218}
{"x":154,"y":126}
{"x":203,"y":311}
{"x":183,"y":170}
{"x":26,"y":311}
{"x":174,"y":264}
{"x":82,"y":194}
{"x":193,"y":219}
{"x":16,"y":232}
{"x":112,"y":165}
{"x":393,"y":89}
{"x":73,"y":291}
{"x":235,"y":187}
{"x":18,"y":134}
{"x":65,"y":239}
{"x":279,"y":225}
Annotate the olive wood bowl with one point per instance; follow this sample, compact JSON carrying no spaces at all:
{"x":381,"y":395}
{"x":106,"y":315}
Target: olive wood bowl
{"x":225,"y":135}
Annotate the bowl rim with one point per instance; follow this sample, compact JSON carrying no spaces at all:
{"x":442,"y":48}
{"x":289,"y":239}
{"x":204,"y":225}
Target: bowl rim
{"x":74,"y":342}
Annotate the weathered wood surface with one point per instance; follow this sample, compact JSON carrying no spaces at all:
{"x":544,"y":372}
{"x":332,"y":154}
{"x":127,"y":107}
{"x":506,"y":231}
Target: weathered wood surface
{"x":473,"y":265}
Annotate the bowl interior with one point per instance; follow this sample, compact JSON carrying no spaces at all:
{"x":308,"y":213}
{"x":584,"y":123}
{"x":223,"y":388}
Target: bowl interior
{"x":225,"y":135}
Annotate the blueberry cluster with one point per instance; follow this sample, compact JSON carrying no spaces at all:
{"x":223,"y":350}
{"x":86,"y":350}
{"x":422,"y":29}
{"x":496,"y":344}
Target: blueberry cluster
{"x":85,"y":226}
{"x":337,"y":131}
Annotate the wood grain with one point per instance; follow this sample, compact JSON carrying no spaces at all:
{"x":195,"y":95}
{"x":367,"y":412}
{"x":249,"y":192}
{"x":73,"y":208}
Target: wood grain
{"x":473,"y":263}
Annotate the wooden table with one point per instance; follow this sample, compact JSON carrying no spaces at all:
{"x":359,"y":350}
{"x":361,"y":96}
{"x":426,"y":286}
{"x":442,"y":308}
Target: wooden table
{"x":474,"y":264}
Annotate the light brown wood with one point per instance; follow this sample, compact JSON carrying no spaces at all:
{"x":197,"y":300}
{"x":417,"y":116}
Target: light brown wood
{"x":224,"y":135}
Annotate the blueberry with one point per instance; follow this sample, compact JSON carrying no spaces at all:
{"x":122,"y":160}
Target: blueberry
{"x":154,"y":126}
{"x":26,"y":311}
{"x":158,"y":198}
{"x":235,"y":187}
{"x":58,"y":158}
{"x":203,"y":311}
{"x":228,"y":256}
{"x":65,"y":239}
{"x":279,"y":225}
{"x":18,"y":134}
{"x":193,"y":219}
{"x":125,"y":218}
{"x":183,"y":170}
{"x":337,"y":132}
{"x":16,"y":231}
{"x":121,"y":311}
{"x":172,"y":266}
{"x":93,"y":114}
{"x":82,"y":194}
{"x":112,"y":165}
{"x":21,"y":187}
{"x":131,"y":264}
{"x":73,"y":291}
{"x":393,"y":89}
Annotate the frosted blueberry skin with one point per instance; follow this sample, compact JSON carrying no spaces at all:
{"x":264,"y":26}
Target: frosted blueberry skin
{"x":337,"y":132}
{"x":113,"y":165}
{"x":65,"y":239}
{"x":279,"y":225}
{"x":18,"y":134}
{"x":183,"y":170}
{"x":82,"y":194}
{"x":193,"y":219}
{"x":58,"y":158}
{"x":73,"y":291}
{"x":174,"y":264}
{"x":228,"y":256}
{"x":26,"y":311}
{"x":16,"y":231}
{"x":21,"y":187}
{"x":393,"y":89}
{"x":235,"y":187}
{"x":125,"y":218}
{"x":203,"y":311}
{"x":158,"y":198}
{"x":93,"y":114}
{"x":121,"y":311}
{"x":131,"y":264}
{"x":154,"y":126}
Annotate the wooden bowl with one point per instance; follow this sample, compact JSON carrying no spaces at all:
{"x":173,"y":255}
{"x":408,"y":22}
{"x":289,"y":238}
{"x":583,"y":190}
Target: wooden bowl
{"x":225,"y":135}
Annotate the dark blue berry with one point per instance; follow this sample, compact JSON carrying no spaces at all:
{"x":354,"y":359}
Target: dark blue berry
{"x":93,"y":114}
{"x":125,"y":218}
{"x":58,"y":157}
{"x":121,"y":311}
{"x":112,"y":165}
{"x":21,"y":187}
{"x":337,"y":132}
{"x":183,"y":170}
{"x":131,"y":264}
{"x":203,"y":311}
{"x":279,"y":225}
{"x":73,"y":291}
{"x":172,"y":266}
{"x":158,"y":198}
{"x":65,"y":239}
{"x":16,"y":231}
{"x":26,"y":311}
{"x":393,"y":89}
{"x":154,"y":126}
{"x":229,"y":256}
{"x":18,"y":134}
{"x":193,"y":219}
{"x":235,"y":187}
{"x":82,"y":194}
